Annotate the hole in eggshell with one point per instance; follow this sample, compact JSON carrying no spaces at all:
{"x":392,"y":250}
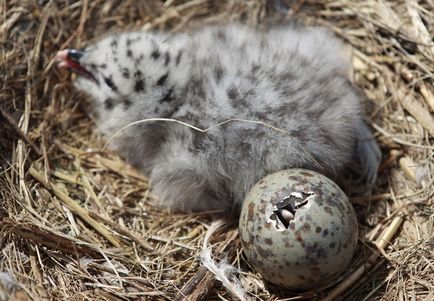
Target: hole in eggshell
{"x":281,"y":214}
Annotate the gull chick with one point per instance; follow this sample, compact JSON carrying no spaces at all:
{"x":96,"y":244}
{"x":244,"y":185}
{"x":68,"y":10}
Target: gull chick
{"x":281,"y":97}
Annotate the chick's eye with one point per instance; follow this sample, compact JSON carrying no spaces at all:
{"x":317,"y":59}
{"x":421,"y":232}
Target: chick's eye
{"x":109,"y":82}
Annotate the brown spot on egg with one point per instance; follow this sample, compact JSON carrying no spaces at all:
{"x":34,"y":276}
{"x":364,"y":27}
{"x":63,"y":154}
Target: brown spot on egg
{"x":328,"y":210}
{"x":266,"y":253}
{"x":306,"y":227}
{"x":251,"y":212}
{"x":299,"y":238}
{"x":307,"y":174}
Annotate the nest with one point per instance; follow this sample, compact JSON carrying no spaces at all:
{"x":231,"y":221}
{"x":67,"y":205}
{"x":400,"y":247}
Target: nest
{"x":78,"y":223}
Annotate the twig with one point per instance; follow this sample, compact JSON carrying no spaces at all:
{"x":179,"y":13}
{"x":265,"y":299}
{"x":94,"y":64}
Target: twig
{"x":363,"y":200}
{"x":118,"y":166}
{"x":115,"y":165}
{"x":74,"y":207}
{"x":125,"y":231}
{"x":286,"y":133}
{"x":42,"y":237}
{"x":408,"y":167}
{"x":397,"y":140}
{"x":79,"y":31}
{"x":394,"y":154}
{"x":19,"y":132}
{"x":205,"y":130}
{"x":427,"y":95}
{"x":4,"y":28}
{"x":417,"y":111}
{"x":419,"y":30}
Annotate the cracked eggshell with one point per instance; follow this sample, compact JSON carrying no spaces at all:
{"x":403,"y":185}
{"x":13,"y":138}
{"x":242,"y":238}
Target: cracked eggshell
{"x":298,"y":229}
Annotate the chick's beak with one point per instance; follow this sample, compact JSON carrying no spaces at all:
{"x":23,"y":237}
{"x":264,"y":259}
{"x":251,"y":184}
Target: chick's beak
{"x":70,"y":58}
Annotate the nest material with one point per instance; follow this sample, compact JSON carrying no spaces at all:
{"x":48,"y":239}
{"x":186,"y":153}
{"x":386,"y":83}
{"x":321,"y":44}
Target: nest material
{"x":77,"y":223}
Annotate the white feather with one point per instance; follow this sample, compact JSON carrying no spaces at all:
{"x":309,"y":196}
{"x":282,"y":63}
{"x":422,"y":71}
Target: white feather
{"x":223,"y":271}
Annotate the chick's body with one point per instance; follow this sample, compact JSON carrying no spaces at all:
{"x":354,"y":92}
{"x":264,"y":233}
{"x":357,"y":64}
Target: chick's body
{"x":291,"y":81}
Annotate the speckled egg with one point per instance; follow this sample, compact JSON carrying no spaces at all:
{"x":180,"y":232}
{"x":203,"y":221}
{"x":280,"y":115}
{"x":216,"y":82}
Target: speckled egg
{"x":298,"y":229}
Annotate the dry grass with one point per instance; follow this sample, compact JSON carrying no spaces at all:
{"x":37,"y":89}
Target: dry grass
{"x":76,"y":223}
